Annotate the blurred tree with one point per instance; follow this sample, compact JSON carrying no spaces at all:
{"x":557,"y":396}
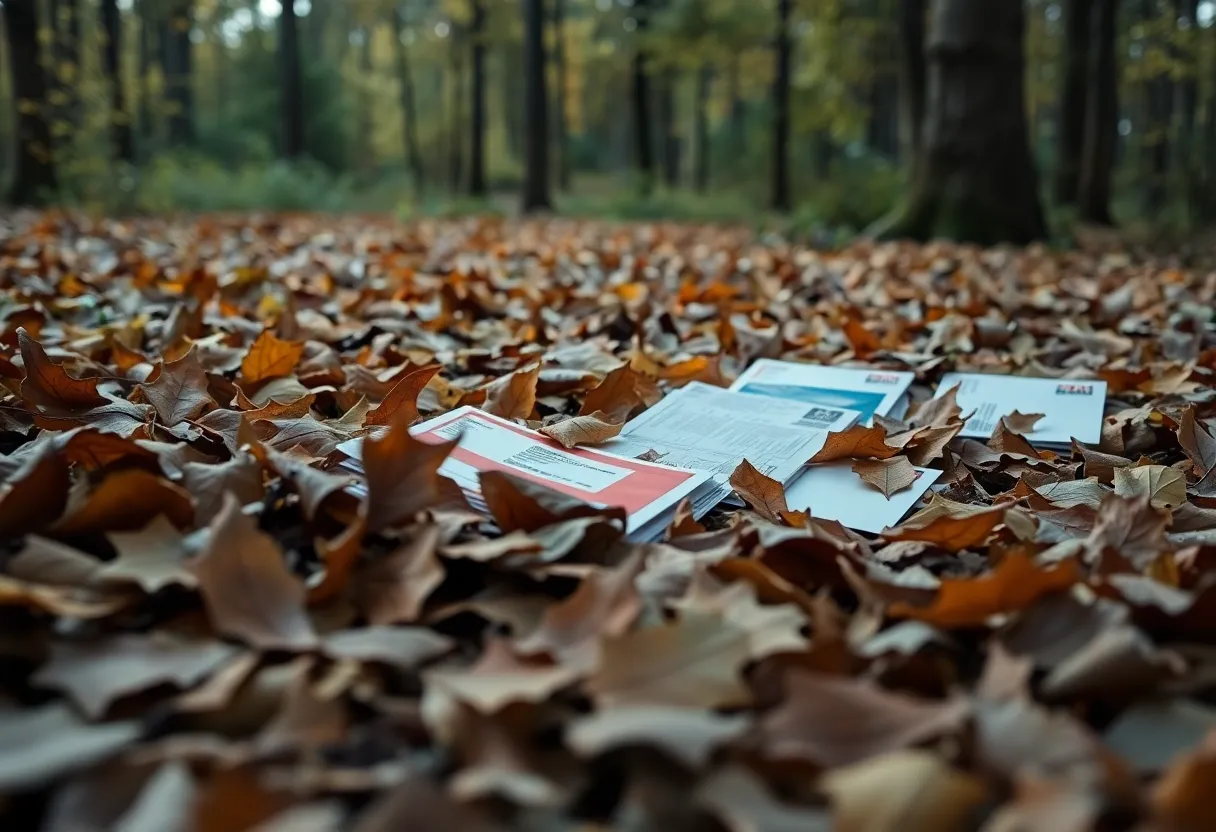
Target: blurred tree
{"x":291,"y":84}
{"x":976,"y":181}
{"x":177,"y":66}
{"x":705,"y":78}
{"x":34,"y":179}
{"x":1101,"y":117}
{"x":1074,"y":81}
{"x":912,"y":74}
{"x":120,"y":118}
{"x":560,"y":129}
{"x":536,"y":160}
{"x":477,"y":114}
{"x":405,"y":81}
{"x":643,"y":143}
{"x":783,"y":47}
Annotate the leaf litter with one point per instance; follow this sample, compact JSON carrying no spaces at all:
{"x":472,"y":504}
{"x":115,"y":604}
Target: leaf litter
{"x":205,"y":629}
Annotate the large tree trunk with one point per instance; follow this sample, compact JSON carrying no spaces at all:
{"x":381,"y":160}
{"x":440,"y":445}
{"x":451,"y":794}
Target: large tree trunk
{"x":148,"y":29}
{"x":705,"y":76}
{"x":367,"y":102}
{"x":1158,"y":94}
{"x":560,"y":128}
{"x":120,"y":119}
{"x":670,"y":143}
{"x":737,"y":113}
{"x":405,"y":80}
{"x":783,"y":48}
{"x":1101,"y":116}
{"x":178,"y":60}
{"x":456,"y":134}
{"x":643,"y":143}
{"x":913,"y":76}
{"x":976,"y":181}
{"x":291,"y":84}
{"x":536,"y":159}
{"x":1188,"y":103}
{"x":34,"y":179}
{"x":477,"y":113}
{"x":1071,"y":118}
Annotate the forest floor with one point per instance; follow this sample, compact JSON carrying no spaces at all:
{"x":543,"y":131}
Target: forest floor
{"x":203,"y":629}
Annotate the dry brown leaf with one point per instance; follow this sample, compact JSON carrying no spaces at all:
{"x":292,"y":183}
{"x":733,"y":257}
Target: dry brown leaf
{"x":180,"y":391}
{"x":1015,"y":584}
{"x":623,"y":391}
{"x":764,"y":494}
{"x":152,"y":558}
{"x":403,"y":398}
{"x":686,"y":734}
{"x":269,"y":357}
{"x":518,"y":504}
{"x":1021,"y":423}
{"x":1165,"y":487}
{"x":513,"y":396}
{"x":403,"y":477}
{"x":48,"y":385}
{"x":500,"y":677}
{"x":247,"y":589}
{"x":858,"y":442}
{"x":126,"y":501}
{"x":592,"y":429}
{"x":391,"y":589}
{"x":890,"y":476}
{"x":950,"y":525}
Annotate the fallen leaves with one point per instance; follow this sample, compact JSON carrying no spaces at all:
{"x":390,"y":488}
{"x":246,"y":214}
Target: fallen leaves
{"x":1031,"y":650}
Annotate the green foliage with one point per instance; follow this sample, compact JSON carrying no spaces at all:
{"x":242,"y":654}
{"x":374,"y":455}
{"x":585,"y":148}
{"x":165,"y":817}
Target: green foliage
{"x":194,"y":183}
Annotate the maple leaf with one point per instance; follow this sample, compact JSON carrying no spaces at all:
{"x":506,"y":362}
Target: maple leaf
{"x":269,"y":358}
{"x":593,"y":429}
{"x":890,"y":476}
{"x":48,"y":385}
{"x":179,"y":393}
{"x":764,"y":494}
{"x":151,"y":558}
{"x":246,"y":587}
{"x":857,"y":442}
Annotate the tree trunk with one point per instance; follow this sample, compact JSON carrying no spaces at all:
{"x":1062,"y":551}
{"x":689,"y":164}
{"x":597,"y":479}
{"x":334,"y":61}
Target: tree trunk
{"x":147,"y":50}
{"x":405,"y":79}
{"x":1071,"y":119}
{"x":1158,"y":95}
{"x":562,"y":143}
{"x":667,"y":125}
{"x":120,"y":119}
{"x":477,"y":113}
{"x":1101,"y":116}
{"x":913,"y":76}
{"x":367,"y":102}
{"x":178,"y":70}
{"x":536,"y":122}
{"x":34,"y":179}
{"x":1188,"y":103}
{"x":643,"y":143}
{"x":291,"y":84}
{"x":705,"y":77}
{"x":976,"y":181}
{"x":456,"y":134}
{"x":781,"y":108}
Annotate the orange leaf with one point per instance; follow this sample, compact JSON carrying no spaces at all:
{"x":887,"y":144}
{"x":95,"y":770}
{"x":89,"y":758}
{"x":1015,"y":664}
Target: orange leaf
{"x":858,"y":442}
{"x":952,"y":526}
{"x":1014,"y":585}
{"x":270,"y":357}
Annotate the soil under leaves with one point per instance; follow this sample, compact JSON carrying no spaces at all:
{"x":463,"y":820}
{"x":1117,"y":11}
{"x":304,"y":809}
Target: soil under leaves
{"x":204,"y":630}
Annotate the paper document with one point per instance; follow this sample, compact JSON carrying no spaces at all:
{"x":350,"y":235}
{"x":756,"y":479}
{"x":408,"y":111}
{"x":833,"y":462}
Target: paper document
{"x":1071,"y":407}
{"x":708,"y":429}
{"x":834,"y":492}
{"x":648,"y":492}
{"x":868,"y":391}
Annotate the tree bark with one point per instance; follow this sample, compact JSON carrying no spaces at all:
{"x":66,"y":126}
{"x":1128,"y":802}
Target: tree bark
{"x":536,"y":156}
{"x":291,"y":84}
{"x":1101,"y":116}
{"x":705,"y":76}
{"x":913,"y":75}
{"x":643,"y":143}
{"x":1188,"y":102}
{"x":783,"y":48}
{"x":477,"y":112}
{"x":120,"y":119}
{"x":667,"y":126}
{"x":405,"y":80}
{"x":1158,"y":93}
{"x":976,"y":182}
{"x":177,"y":55}
{"x":562,"y":143}
{"x":1071,"y":118}
{"x":456,"y":134}
{"x":34,"y":179}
